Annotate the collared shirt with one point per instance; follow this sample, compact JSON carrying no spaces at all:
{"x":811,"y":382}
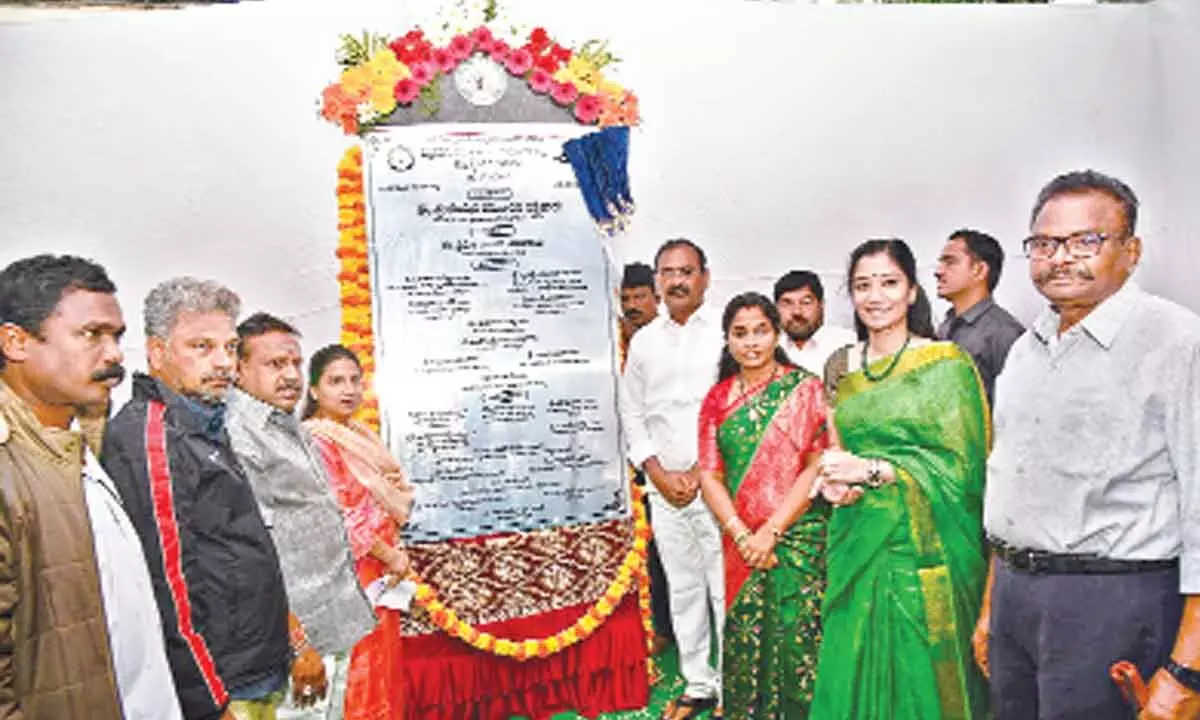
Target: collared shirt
{"x":986,"y":331}
{"x":818,"y":348}
{"x":135,"y":635}
{"x":1097,"y":436}
{"x":298,"y":506}
{"x":669,"y":370}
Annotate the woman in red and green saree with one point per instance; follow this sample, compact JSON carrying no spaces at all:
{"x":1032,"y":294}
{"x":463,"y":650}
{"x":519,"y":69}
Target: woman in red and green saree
{"x":762,"y":429}
{"x":905,"y":563}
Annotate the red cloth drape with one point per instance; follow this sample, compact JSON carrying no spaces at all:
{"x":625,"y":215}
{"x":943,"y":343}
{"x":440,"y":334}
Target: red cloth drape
{"x":446,"y":679}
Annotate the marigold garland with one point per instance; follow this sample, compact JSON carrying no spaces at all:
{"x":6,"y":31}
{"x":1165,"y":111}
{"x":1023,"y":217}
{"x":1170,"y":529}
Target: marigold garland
{"x":354,"y":280}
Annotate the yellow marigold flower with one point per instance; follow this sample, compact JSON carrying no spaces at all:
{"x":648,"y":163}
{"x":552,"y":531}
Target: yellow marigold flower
{"x":356,"y":81}
{"x":486,"y":642}
{"x":531,"y":648}
{"x":383,"y":71}
{"x":588,"y":624}
{"x":383,"y":68}
{"x":570,"y":636}
{"x":609,"y":87}
{"x":580,"y":72}
{"x":553,"y":645}
{"x":506,"y":648}
{"x":604,"y":607}
{"x":383,"y":99}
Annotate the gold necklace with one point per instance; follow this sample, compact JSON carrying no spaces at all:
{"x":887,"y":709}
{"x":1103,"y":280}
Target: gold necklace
{"x":754,"y":404}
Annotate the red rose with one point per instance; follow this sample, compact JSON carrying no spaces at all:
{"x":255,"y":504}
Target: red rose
{"x":481,"y":36}
{"x":539,"y":38}
{"x":560,"y":53}
{"x":444,"y":60}
{"x":547,"y":64}
{"x":406,"y":91}
{"x":461,"y":47}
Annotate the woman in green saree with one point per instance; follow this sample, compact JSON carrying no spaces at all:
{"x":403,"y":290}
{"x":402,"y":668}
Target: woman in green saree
{"x":762,"y":428}
{"x":906,"y":560}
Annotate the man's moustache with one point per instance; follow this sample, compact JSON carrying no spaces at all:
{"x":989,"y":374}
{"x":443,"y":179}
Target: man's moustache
{"x":1079,"y":272}
{"x":289,"y":386}
{"x":112,"y":372}
{"x":633,"y":314}
{"x":219,"y":375}
{"x":678,"y":290}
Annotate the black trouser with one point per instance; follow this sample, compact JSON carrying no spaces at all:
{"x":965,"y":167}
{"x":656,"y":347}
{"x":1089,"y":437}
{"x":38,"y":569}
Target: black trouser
{"x":1054,"y":637}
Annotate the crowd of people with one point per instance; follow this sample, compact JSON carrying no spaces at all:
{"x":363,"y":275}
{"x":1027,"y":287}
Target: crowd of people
{"x":900,"y":520}
{"x":206,"y":545}
{"x":910,"y":520}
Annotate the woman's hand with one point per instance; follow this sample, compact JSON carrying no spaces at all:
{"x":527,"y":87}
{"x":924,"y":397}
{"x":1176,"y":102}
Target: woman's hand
{"x":759,"y":549}
{"x":839,"y":466}
{"x":840,"y":494}
{"x":397,"y":563}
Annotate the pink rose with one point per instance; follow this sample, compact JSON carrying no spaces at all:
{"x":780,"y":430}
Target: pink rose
{"x":500,"y":51}
{"x":481,"y":36}
{"x":422,"y":73}
{"x":461,"y":47}
{"x":444,"y":60}
{"x":540,"y":81}
{"x":587,"y":109}
{"x":519,"y":61}
{"x":407,"y":91}
{"x":564,"y":93}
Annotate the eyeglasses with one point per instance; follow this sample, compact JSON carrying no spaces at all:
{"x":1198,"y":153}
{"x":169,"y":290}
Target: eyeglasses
{"x":1079,"y":245}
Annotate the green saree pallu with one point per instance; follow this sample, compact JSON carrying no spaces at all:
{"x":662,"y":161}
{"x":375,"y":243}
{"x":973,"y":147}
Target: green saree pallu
{"x":760,"y":443}
{"x":906,"y":564}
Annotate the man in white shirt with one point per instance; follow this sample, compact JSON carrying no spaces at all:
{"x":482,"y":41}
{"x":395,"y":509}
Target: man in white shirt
{"x":801,"y":302}
{"x":672,"y":363}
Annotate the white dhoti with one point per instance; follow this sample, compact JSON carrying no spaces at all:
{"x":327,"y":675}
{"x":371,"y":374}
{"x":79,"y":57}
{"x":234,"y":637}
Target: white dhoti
{"x":689,"y":545}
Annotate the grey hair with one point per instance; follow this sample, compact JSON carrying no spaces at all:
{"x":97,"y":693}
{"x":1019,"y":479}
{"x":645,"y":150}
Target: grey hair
{"x":178,"y":295}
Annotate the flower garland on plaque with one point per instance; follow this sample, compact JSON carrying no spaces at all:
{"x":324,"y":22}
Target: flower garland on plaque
{"x":379,"y":76}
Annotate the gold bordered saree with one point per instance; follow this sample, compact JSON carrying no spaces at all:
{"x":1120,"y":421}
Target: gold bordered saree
{"x":906,"y":564}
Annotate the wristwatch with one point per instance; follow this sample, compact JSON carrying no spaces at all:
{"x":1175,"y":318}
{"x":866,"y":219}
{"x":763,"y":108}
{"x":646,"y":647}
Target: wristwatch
{"x":874,"y":473}
{"x":1186,"y":676}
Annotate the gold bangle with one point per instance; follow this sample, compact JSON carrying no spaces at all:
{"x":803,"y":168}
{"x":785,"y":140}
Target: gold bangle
{"x":735,"y":525}
{"x":741,"y":538}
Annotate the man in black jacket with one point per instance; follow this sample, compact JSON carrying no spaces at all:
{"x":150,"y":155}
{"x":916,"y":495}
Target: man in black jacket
{"x":216,"y":574}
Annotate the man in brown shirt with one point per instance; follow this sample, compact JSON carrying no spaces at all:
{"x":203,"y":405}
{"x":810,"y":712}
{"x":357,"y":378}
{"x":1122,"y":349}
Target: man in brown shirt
{"x":59,"y":329}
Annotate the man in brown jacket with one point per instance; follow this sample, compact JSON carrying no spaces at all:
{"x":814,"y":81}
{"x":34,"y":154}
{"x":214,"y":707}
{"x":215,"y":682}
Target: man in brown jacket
{"x":67,"y":550}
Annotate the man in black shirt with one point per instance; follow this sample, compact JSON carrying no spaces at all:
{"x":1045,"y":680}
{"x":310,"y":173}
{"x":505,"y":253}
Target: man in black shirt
{"x":967,"y":273}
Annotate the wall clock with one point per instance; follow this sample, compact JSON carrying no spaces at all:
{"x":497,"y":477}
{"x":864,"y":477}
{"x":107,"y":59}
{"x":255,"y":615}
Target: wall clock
{"x":481,"y":81}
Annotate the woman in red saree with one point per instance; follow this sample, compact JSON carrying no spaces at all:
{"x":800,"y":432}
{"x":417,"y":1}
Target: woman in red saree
{"x":762,"y":429}
{"x":375,"y":501}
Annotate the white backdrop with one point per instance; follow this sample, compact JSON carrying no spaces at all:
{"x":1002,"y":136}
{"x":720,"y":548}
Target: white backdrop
{"x":777,"y":135}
